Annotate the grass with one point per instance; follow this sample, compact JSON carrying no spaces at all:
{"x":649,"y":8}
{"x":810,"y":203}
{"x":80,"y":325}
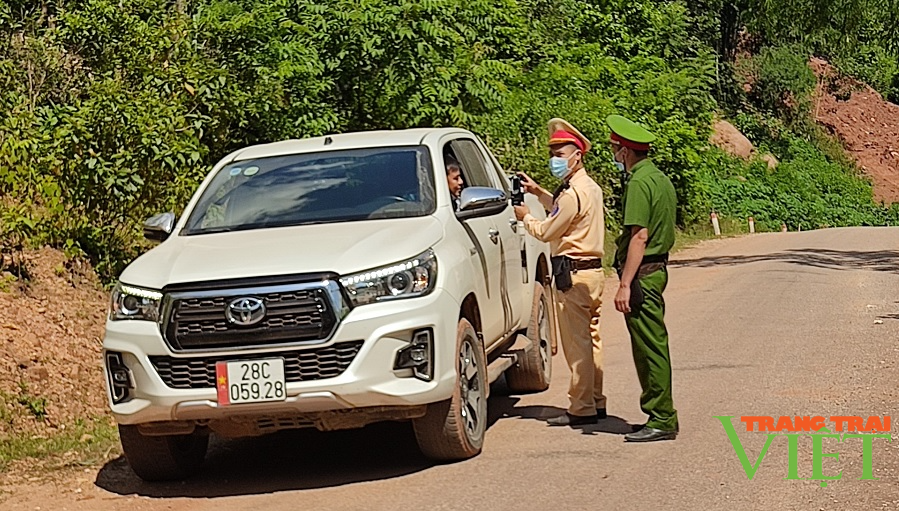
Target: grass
{"x":88,"y":442}
{"x":7,"y":282}
{"x":36,"y":406}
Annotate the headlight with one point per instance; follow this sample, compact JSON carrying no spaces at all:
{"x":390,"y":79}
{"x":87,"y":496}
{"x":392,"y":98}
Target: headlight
{"x":407,"y":279}
{"x":134,"y":303}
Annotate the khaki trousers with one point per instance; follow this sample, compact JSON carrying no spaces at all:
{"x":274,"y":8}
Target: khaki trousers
{"x":579,"y":309}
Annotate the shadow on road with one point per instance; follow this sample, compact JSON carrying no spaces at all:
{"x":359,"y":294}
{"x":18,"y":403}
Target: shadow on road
{"x":881,"y":260}
{"x":284,"y":461}
{"x":304,"y":459}
{"x":503,"y":407}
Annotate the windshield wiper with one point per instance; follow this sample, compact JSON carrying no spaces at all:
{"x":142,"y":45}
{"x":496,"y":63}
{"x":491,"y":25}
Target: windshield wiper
{"x":273,"y":224}
{"x":227,"y":228}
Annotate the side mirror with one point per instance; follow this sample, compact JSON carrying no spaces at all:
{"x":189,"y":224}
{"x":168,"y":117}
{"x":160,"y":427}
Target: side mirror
{"x":481,"y":201}
{"x":159,"y":227}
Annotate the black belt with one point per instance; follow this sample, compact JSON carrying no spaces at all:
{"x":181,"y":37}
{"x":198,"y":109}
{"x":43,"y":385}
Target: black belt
{"x":658,"y":258}
{"x":586,"y":264}
{"x":655,"y":259}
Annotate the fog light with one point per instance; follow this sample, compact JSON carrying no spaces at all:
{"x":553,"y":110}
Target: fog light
{"x":119,"y":377}
{"x":418,"y":355}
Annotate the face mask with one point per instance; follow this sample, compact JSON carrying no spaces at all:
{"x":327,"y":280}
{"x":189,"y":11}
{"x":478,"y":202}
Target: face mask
{"x":559,"y":166}
{"x":620,"y":165}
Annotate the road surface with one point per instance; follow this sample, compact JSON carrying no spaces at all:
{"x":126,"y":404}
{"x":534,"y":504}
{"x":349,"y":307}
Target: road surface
{"x":766,"y":325}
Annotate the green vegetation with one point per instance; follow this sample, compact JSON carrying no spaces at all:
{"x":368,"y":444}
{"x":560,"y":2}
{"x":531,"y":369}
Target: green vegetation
{"x":85,"y":443}
{"x":112,"y":111}
{"x":809,"y":189}
{"x":36,"y":406}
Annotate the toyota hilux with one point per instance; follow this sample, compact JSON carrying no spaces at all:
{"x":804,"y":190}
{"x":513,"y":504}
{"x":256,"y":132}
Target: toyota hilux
{"x":329,"y":283}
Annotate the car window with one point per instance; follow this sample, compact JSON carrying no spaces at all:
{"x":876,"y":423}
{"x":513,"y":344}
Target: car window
{"x":325,"y":187}
{"x":474,"y":169}
{"x":498,"y":172}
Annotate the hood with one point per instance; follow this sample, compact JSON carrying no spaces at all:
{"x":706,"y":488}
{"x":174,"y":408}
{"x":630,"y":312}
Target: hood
{"x":343,"y":248}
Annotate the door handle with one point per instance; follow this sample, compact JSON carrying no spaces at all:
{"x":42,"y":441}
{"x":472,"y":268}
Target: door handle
{"x":494,"y":235}
{"x":513,"y":223}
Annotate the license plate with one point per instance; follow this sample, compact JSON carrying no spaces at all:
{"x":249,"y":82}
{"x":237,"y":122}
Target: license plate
{"x":250,"y":381}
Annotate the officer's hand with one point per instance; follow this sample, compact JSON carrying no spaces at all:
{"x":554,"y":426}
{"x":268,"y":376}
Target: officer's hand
{"x":521,"y":211}
{"x":528,"y":184}
{"x":623,"y":299}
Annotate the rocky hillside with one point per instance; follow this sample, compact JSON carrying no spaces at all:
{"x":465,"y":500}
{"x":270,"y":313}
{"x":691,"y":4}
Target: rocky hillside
{"x":50,"y":335}
{"x":866,"y":123}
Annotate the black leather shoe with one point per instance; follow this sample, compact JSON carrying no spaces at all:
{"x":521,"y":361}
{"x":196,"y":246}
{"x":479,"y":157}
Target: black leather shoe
{"x":601,"y":413}
{"x":650,"y":435}
{"x":638,"y":427}
{"x":567,"y":419}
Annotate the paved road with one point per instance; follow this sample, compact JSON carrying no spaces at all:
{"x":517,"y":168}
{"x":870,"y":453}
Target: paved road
{"x":774,"y":324}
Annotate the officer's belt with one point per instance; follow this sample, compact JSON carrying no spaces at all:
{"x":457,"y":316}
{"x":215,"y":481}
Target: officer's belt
{"x":649,"y":264}
{"x":652,"y":264}
{"x":657,"y":258}
{"x":585,"y":264}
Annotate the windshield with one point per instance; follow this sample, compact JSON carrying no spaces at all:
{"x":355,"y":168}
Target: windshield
{"x":299,"y":189}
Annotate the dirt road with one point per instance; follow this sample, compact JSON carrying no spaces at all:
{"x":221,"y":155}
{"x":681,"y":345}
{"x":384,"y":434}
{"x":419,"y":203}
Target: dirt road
{"x":775,"y":324}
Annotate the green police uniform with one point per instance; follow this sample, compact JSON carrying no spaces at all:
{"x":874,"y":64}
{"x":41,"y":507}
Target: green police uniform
{"x":649,"y":201}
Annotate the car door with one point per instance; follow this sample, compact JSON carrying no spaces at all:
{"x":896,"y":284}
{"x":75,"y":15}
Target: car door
{"x":518,"y":278}
{"x":512,"y":234}
{"x":486,"y":242}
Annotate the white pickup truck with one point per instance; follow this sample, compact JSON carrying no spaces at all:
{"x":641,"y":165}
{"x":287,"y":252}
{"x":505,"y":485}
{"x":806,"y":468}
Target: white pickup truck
{"x":329,"y":282}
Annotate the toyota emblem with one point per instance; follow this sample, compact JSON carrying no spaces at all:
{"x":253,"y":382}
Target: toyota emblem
{"x":245,"y":311}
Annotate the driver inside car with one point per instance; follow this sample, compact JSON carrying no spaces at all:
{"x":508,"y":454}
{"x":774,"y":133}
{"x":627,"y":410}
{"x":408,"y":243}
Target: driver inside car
{"x":454,"y":181}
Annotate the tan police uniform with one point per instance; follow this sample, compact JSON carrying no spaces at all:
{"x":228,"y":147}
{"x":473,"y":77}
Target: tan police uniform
{"x":575,"y":228}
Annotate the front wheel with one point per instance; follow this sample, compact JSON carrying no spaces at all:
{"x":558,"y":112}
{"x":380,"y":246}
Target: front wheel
{"x":454,"y":429}
{"x":163,"y":458}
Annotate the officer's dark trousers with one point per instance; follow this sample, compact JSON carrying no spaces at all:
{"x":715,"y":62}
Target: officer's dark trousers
{"x":649,"y":342}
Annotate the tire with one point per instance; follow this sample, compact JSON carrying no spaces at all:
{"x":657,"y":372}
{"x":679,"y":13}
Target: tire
{"x":534,"y":369}
{"x":163,"y":458}
{"x":454,"y":429}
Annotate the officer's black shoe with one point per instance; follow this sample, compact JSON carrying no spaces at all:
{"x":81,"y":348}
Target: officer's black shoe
{"x":638,"y":427}
{"x":601,"y":413}
{"x":566,"y":419}
{"x":648,"y":434}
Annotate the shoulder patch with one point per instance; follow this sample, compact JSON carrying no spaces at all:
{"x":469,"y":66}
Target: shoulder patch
{"x":555,"y":210}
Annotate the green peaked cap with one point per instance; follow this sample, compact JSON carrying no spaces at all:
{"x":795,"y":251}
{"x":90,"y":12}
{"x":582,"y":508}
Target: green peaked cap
{"x":628,"y":129}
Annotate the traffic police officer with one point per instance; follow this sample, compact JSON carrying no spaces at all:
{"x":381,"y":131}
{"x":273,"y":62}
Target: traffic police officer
{"x":575,"y":229}
{"x":649,"y":205}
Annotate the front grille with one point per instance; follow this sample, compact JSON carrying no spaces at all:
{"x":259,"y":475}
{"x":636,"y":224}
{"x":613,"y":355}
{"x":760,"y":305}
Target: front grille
{"x":299,"y":365}
{"x":199,"y":323}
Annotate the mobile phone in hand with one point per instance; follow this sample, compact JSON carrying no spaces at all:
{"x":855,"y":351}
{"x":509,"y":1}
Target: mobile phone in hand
{"x":517,"y":192}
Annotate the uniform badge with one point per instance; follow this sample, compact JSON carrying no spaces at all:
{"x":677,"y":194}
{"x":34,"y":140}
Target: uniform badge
{"x":555,"y":209}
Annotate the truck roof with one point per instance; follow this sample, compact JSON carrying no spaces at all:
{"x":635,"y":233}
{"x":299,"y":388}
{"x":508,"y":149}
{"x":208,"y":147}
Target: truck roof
{"x":355,"y":140}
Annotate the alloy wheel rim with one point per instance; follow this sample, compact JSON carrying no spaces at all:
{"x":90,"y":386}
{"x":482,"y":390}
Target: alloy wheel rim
{"x":543,"y":329}
{"x":472,"y":393}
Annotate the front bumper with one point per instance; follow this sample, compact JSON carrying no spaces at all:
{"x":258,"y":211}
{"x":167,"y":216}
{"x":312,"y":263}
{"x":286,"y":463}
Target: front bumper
{"x":369,"y":381}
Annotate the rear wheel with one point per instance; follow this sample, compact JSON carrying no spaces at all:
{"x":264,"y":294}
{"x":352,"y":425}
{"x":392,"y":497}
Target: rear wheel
{"x":454,"y":429}
{"x":533,"y":371}
{"x":163,"y":458}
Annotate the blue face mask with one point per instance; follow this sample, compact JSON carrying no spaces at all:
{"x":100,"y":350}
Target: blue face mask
{"x":620,"y":165}
{"x":559,"y":166}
